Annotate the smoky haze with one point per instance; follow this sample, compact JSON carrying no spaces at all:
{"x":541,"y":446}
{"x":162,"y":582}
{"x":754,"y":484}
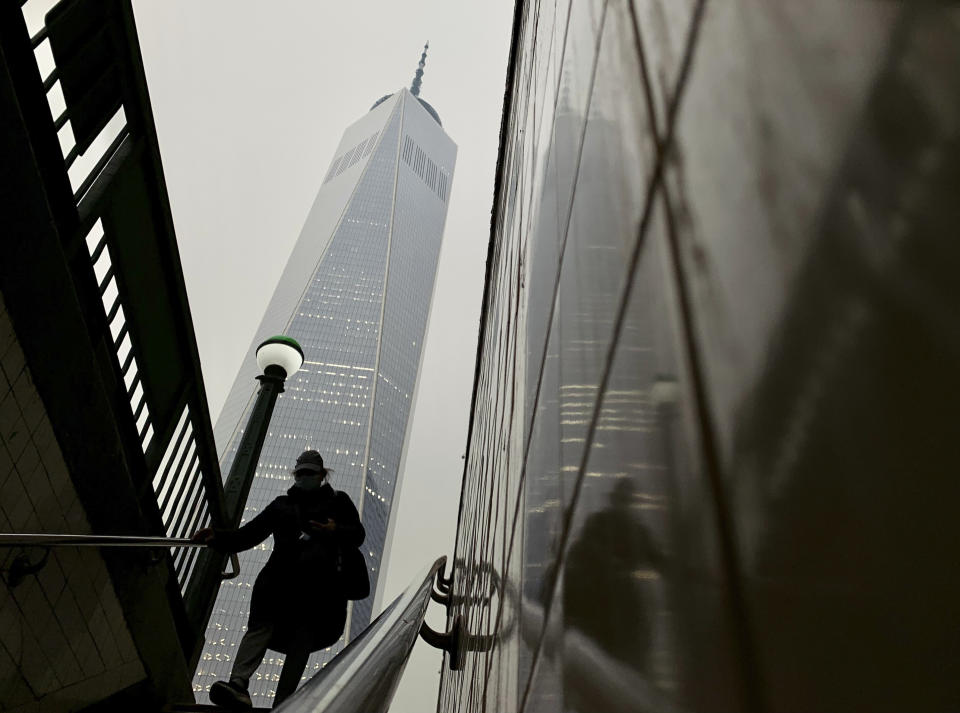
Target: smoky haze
{"x":250,"y":100}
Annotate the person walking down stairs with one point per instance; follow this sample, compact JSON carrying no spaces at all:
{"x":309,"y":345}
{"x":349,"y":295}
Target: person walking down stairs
{"x":299,"y":602}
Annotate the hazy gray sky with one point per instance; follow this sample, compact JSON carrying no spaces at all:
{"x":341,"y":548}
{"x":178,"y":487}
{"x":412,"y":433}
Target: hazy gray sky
{"x":250,"y":99}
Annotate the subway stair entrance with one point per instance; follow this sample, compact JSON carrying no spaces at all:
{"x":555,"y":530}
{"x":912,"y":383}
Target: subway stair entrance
{"x":364,"y":676}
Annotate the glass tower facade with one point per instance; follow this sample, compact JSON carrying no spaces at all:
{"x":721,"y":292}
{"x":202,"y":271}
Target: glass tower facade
{"x":356,"y":294}
{"x":712,"y":455}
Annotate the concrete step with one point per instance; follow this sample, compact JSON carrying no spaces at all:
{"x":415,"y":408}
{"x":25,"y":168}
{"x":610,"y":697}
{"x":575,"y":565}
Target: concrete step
{"x":202,"y":707}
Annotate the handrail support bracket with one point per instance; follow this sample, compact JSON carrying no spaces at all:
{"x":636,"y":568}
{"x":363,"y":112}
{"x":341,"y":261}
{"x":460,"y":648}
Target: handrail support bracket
{"x":448,"y":641}
{"x":22,"y":567}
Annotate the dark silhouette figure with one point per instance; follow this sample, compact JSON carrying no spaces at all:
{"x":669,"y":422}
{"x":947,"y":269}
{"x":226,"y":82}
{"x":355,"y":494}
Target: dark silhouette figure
{"x":607,"y":568}
{"x":298,"y":604}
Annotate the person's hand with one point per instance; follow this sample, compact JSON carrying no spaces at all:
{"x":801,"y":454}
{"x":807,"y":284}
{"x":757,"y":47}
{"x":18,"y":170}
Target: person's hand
{"x":330,"y":525}
{"x":204,"y":536}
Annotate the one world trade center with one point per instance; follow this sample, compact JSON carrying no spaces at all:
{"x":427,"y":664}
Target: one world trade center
{"x":356,"y":294}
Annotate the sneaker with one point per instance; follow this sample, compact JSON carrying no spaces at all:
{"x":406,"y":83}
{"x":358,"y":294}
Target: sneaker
{"x":231,"y":696}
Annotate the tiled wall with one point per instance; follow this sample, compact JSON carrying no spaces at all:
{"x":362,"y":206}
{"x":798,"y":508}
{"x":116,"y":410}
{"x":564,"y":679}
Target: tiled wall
{"x":712,"y":464}
{"x":64,"y":643}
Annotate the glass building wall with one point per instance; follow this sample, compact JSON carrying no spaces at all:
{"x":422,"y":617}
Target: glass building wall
{"x":710,"y":462}
{"x":356,"y":294}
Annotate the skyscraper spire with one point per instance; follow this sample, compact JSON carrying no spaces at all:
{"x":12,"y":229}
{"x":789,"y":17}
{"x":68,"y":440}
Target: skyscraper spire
{"x":418,"y":77}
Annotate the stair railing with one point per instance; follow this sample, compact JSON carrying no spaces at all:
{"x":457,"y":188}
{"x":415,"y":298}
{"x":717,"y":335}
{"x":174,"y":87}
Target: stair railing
{"x":22,"y":566}
{"x":364,"y":676}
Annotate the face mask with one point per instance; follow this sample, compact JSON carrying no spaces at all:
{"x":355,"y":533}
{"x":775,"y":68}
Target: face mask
{"x":308,"y":483}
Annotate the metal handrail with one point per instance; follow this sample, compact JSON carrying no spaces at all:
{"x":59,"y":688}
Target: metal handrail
{"x":364,"y":676}
{"x":25,"y":539}
{"x":46,"y":540}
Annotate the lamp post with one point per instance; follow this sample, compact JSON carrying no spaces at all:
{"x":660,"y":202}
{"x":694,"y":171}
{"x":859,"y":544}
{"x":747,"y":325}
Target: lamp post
{"x":279,"y":358}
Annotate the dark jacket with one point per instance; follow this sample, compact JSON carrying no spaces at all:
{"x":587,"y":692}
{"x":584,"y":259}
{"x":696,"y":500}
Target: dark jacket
{"x":298,"y":590}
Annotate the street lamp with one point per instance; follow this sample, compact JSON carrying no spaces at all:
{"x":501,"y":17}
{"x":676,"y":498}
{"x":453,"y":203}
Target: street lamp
{"x":279,"y":357}
{"x":280,"y":352}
